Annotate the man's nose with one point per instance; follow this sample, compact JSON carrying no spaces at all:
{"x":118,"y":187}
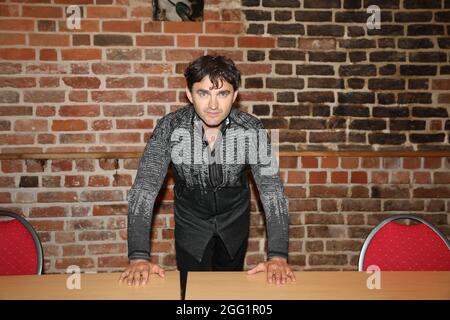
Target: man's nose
{"x":213,"y":104}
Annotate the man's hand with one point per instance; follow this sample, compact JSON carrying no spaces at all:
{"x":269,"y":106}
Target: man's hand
{"x":278,"y":270}
{"x":138,"y":272}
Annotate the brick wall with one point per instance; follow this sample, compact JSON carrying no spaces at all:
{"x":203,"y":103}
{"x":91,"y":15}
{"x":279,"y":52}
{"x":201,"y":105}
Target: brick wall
{"x":310,"y":68}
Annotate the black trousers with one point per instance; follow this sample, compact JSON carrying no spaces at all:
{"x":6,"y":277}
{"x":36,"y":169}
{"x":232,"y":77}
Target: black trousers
{"x":215,"y":258}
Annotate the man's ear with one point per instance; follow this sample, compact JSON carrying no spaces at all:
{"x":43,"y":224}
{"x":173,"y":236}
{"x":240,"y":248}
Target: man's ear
{"x":189,"y":95}
{"x":235,"y":95}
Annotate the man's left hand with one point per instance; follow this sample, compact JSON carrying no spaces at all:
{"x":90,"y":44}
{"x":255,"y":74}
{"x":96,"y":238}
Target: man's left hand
{"x":278,"y":270}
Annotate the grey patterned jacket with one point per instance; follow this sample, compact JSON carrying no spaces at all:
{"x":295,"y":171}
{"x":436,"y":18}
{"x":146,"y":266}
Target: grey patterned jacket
{"x":211,"y":188}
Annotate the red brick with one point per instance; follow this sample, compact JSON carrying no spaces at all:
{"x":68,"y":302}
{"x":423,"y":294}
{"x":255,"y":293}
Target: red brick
{"x":69,"y":125}
{"x":153,"y":68}
{"x":10,"y":139}
{"x":83,"y":263}
{"x":74,"y":250}
{"x":107,"y":248}
{"x":185,"y":41}
{"x":100,"y":195}
{"x":422,"y":177}
{"x":216,"y":41}
{"x":5,"y":197}
{"x":329,"y":162}
{"x":15,"y":111}
{"x":99,"y":125}
{"x":44,"y":96}
{"x":126,"y":137}
{"x":40,"y":212}
{"x":210,"y":15}
{"x":47,"y":225}
{"x":441,"y":177}
{"x":22,"y":82}
{"x":400,"y":177}
{"x":380,"y":177}
{"x":256,"y":42}
{"x":411,"y":163}
{"x":79,"y":111}
{"x":349,"y":163}
{"x":183,"y":27}
{"x":110,"y":210}
{"x":432,"y":192}
{"x":372,"y":162}
{"x":328,"y":192}
{"x":224,"y":28}
{"x":183,"y":54}
{"x":49,"y":82}
{"x":49,"y":40}
{"x":111,"y":96}
{"x":98,"y":181}
{"x":17,"y":54}
{"x":432,"y":163}
{"x":111,"y":68}
{"x":80,"y":138}
{"x":296,"y":177}
{"x":74,"y":181}
{"x":153,"y":26}
{"x":156,"y":96}
{"x":358,"y":177}
{"x":106,"y":12}
{"x":81,"y":54}
{"x":121,"y":26}
{"x":339,"y":177}
{"x":78,"y":96}
{"x":65,"y":237}
{"x":255,"y":68}
{"x":441,"y":84}
{"x":155,"y":41}
{"x":288,"y":162}
{"x":316,"y":44}
{"x":127,"y":82}
{"x":42,"y":11}
{"x":61,"y":165}
{"x":57,"y":197}
{"x":309,"y":162}
{"x":318,"y":177}
{"x":112,"y":262}
{"x":256,"y":96}
{"x":141,"y":12}
{"x":11,"y":39}
{"x":17,"y":24}
{"x":134,"y":124}
{"x":122,"y":180}
{"x":31,"y":125}
{"x":82,"y":82}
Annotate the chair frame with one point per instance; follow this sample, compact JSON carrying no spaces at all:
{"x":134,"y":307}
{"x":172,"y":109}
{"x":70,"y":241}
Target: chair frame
{"x":37,"y":241}
{"x":388,"y":220}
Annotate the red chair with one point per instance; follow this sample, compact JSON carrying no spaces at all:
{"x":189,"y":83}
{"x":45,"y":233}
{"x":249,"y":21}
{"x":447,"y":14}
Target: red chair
{"x":395,"y":247}
{"x":20,"y":247}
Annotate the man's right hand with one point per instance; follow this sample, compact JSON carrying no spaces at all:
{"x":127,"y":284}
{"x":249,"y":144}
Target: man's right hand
{"x":138,"y":272}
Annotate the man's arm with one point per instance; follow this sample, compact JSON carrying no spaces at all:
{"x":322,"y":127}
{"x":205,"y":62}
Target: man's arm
{"x":141,"y":198}
{"x":274,"y":201}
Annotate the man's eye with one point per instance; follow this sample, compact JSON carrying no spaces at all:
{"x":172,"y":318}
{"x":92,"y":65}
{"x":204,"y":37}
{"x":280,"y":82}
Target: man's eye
{"x":223,"y":94}
{"x":202,"y":94}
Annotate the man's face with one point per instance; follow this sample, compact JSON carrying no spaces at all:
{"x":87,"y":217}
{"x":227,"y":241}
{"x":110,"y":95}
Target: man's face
{"x":212,"y":105}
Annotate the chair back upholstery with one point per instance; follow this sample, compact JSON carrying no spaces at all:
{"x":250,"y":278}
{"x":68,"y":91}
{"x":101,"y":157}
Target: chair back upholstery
{"x":396,"y":247}
{"x":20,"y":247}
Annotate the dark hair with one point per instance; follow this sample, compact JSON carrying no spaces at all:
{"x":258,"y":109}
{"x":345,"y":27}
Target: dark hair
{"x":216,"y":67}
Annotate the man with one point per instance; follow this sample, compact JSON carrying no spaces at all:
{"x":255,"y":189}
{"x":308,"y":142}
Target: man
{"x":212,"y":198}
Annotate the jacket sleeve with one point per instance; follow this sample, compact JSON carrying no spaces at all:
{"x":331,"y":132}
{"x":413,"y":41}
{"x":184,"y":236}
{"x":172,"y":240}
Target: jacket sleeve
{"x":273,"y":197}
{"x":141,"y":197}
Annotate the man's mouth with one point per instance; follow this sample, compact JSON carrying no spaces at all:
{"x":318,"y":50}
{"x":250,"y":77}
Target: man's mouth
{"x":213,"y":114}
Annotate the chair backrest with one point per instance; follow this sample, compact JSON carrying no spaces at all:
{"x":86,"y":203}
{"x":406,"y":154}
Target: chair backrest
{"x":20,"y":248}
{"x":395,"y":247}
